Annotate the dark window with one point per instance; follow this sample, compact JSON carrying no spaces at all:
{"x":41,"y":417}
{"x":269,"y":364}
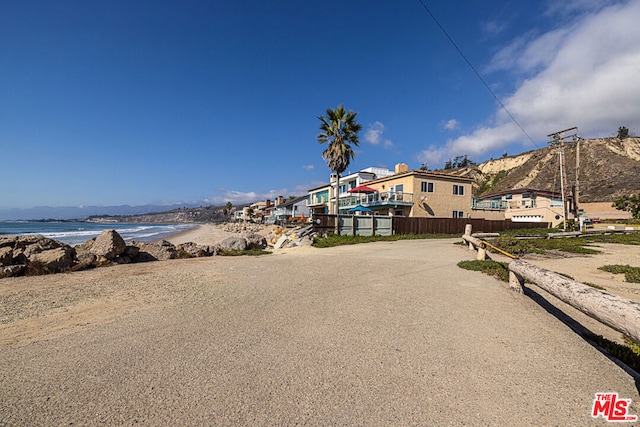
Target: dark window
{"x":458,"y":190}
{"x":427,"y":187}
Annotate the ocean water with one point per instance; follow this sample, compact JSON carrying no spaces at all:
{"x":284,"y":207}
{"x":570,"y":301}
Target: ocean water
{"x":74,"y":233}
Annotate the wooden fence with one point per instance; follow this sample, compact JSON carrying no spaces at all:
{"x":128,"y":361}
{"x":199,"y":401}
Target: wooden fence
{"x":407,"y":225}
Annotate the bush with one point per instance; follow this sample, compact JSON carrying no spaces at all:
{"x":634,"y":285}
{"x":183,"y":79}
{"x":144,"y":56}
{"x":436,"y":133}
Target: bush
{"x":626,"y":353}
{"x":333,"y":240}
{"x":631,"y":274}
{"x":515,"y":246}
{"x":499,"y":270}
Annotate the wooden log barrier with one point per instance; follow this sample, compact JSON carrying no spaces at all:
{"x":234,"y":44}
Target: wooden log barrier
{"x":478,"y":244}
{"x":619,"y":313}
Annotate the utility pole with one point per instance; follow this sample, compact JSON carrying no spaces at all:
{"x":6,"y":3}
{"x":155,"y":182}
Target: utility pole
{"x":558,"y":139}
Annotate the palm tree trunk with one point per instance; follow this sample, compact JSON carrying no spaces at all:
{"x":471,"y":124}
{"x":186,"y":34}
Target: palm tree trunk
{"x":337,"y":228}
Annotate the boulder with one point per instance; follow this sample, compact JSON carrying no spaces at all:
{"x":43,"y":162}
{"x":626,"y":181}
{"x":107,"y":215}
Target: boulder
{"x":108,"y":244}
{"x":131,"y":251}
{"x":26,"y":246}
{"x":282,"y":241}
{"x":85,"y":247}
{"x":190,"y":249}
{"x":12,"y":271}
{"x":161,"y":250}
{"x":34,"y":255}
{"x":55,"y":260}
{"x":6,"y":255}
{"x":233,"y":243}
{"x":255,"y":241}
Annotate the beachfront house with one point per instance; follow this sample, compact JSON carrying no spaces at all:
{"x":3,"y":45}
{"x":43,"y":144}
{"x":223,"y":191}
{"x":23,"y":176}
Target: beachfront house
{"x":404,"y":192}
{"x":322,"y":200}
{"x":295,"y":209}
{"x":521,"y":205}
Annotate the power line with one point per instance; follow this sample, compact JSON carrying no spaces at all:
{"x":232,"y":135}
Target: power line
{"x":476,"y":72}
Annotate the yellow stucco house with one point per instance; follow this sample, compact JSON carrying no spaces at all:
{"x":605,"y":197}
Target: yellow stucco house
{"x":411,"y":193}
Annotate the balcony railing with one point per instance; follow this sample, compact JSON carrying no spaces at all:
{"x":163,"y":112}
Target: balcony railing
{"x":497,"y":205}
{"x":387,"y":198}
{"x":317,"y":200}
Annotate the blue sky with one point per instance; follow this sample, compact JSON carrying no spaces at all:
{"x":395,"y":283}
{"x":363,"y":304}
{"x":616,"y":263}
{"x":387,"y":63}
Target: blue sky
{"x":137,"y":102}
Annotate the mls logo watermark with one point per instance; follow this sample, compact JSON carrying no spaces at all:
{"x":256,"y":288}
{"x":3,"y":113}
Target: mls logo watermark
{"x":612,"y":408}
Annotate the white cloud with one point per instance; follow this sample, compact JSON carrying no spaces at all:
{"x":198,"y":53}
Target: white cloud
{"x":373,"y":135}
{"x":451,"y":124}
{"x":308,"y":167}
{"x":242,"y":197}
{"x":586,"y":74}
{"x":494,"y":28}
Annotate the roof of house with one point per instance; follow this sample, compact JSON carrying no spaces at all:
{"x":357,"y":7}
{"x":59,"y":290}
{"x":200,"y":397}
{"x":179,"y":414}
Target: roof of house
{"x":292,"y":202}
{"x":423,"y":174}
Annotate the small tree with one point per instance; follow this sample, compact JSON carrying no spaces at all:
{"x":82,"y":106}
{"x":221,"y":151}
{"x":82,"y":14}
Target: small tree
{"x":629,"y":204}
{"x":227,"y":209}
{"x":623,"y":132}
{"x":424,"y":167}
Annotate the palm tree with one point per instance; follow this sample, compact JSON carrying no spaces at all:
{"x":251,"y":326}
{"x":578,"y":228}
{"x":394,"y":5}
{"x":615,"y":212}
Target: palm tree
{"x":339,"y":129}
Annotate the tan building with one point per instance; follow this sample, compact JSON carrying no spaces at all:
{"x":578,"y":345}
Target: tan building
{"x":414,"y":193}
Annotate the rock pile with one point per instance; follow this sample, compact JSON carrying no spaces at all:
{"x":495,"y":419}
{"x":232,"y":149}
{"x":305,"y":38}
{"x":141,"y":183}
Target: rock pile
{"x":21,"y":255}
{"x":279,"y":237}
{"x":33,"y":255}
{"x":276,"y":237}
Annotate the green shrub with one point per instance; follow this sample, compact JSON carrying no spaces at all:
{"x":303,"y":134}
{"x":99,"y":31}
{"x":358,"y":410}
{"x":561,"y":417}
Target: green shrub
{"x":631,"y":274}
{"x":626,"y":353}
{"x":334,"y":240}
{"x":593,"y":285}
{"x":499,"y":270}
{"x":515,"y":246}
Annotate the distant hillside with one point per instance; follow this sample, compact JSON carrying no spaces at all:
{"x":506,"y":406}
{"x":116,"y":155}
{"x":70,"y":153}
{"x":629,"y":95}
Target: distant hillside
{"x":609,"y":167}
{"x":205,"y":214}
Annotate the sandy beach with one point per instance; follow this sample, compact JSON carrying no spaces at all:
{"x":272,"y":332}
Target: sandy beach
{"x":202,"y":234}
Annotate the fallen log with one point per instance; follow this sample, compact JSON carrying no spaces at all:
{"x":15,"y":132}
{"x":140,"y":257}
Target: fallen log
{"x":619,"y":313}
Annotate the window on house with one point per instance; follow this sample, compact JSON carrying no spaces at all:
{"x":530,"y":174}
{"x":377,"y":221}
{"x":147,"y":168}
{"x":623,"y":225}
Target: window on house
{"x":458,"y":214}
{"x":427,"y":187}
{"x":398,"y":212}
{"x":458,"y":190}
{"x":508,"y":196}
{"x":526,"y":195}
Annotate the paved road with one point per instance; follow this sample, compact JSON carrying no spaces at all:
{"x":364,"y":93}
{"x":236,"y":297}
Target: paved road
{"x":376,"y":334}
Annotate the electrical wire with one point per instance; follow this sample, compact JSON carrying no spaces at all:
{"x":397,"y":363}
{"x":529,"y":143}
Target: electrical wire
{"x":453,"y":43}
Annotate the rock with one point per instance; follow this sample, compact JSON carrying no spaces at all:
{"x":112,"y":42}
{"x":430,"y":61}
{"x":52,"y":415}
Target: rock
{"x":85,"y":247}
{"x":108,"y":244}
{"x":34,"y":255}
{"x":283,"y":240}
{"x":6,"y":255}
{"x":193,"y":250}
{"x":12,"y":271}
{"x":161,"y":250}
{"x":255,"y":241}
{"x":131,"y":251}
{"x":233,"y":244}
{"x":302,"y":241}
{"x":55,"y":260}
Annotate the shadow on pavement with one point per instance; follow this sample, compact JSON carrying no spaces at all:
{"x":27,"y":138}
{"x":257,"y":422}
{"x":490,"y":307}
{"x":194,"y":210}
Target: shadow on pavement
{"x":579,"y":329}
